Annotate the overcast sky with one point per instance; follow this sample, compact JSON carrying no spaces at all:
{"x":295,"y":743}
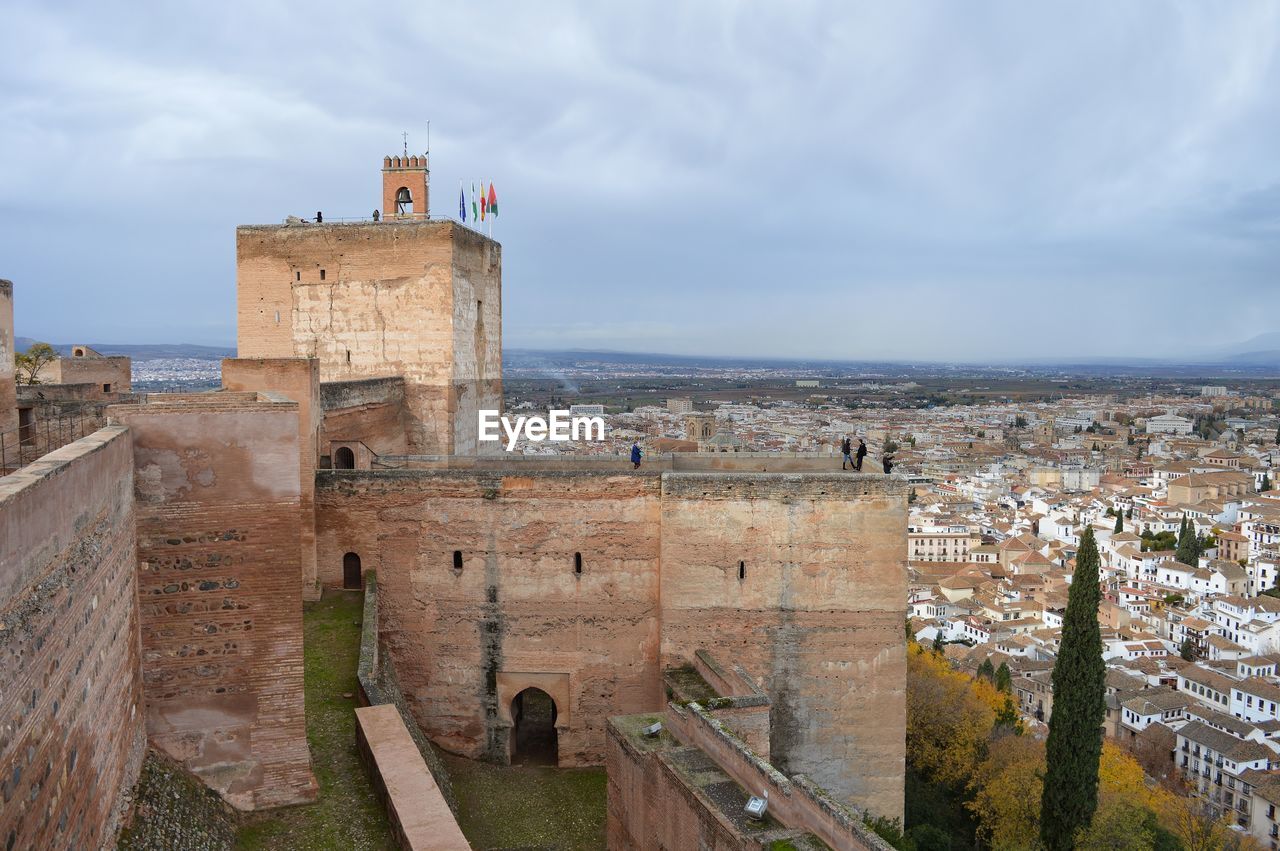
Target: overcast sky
{"x":872,"y":180}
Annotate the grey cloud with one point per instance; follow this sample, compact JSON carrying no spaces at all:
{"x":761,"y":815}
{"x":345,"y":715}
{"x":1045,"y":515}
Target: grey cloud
{"x":993,"y":179}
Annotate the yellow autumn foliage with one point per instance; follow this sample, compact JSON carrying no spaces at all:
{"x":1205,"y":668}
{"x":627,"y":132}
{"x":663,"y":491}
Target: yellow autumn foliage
{"x":947,"y":720}
{"x":1006,"y":788}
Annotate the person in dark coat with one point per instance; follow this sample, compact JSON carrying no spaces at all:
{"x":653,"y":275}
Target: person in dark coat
{"x":862,"y":453}
{"x":888,"y":464}
{"x":846,"y":453}
{"x":636,"y":455}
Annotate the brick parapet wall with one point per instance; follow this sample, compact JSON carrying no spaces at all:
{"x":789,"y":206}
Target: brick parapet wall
{"x":220,"y":591}
{"x":378,"y":685}
{"x":72,"y":736}
{"x":420,"y":816}
{"x":796,"y":803}
{"x":335,"y":395}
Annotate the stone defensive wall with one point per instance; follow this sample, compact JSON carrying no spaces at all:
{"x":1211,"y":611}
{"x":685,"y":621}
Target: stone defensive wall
{"x":297,"y":380}
{"x":217,"y":489}
{"x":418,"y":299}
{"x":72,"y":733}
{"x":652,"y":778}
{"x":370,"y":410}
{"x":728,"y":462}
{"x":107,"y":374}
{"x":587,"y":584}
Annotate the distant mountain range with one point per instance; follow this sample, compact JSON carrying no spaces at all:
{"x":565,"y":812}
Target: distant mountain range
{"x":1262,"y":349}
{"x":152,"y":351}
{"x":1260,"y":352}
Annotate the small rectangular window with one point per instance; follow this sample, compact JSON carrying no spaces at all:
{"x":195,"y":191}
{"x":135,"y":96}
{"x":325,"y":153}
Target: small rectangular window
{"x":742,"y":570}
{"x":106,"y":388}
{"x":297,"y":276}
{"x":322,"y":274}
{"x":577,"y":563}
{"x":457,"y":559}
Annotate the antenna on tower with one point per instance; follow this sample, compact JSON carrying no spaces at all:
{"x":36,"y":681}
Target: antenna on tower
{"x":428,"y":138}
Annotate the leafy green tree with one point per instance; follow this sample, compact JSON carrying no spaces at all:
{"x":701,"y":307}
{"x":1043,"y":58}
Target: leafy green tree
{"x":1266,"y":483}
{"x":1188,"y":650}
{"x":939,"y":645}
{"x":927,"y":837}
{"x":1119,"y":523}
{"x":1121,"y":826}
{"x":986,"y":670}
{"x":1008,"y":718}
{"x":1003,"y":679}
{"x":28,"y":364}
{"x":911,"y":497}
{"x":1075,"y":730}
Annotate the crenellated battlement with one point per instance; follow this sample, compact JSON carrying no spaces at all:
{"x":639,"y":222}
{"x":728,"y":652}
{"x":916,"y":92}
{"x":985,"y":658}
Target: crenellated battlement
{"x":411,"y":161}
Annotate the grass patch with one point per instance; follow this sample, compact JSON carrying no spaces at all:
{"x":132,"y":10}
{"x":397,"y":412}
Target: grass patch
{"x":525,"y":806}
{"x":347,"y":814}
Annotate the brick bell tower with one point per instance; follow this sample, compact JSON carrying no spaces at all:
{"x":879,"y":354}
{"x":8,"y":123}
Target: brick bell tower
{"x":404,"y":187}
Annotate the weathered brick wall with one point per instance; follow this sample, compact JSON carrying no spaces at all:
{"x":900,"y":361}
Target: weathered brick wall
{"x":477,"y":335}
{"x":371,"y":411}
{"x":818,"y":612}
{"x":297,"y":379}
{"x":516,"y":606}
{"x":651,"y":806}
{"x":99,"y":372}
{"x":389,"y":303}
{"x":71,"y":721}
{"x":8,"y":395}
{"x":217,"y":490}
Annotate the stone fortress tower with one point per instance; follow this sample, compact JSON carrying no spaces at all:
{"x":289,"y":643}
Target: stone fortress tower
{"x":406,"y":297}
{"x":175,"y":547}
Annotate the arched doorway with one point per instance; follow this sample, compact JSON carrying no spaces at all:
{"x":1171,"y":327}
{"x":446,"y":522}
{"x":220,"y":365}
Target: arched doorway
{"x":344,"y":458}
{"x":351,"y":577}
{"x":534,"y":740}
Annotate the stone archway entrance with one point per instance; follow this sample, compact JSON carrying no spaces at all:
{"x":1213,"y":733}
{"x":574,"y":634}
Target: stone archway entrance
{"x":534,"y":740}
{"x":344,"y":458}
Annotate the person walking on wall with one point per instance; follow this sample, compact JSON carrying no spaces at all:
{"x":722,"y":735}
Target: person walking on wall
{"x":862,"y":453}
{"x":846,"y":453}
{"x":636,"y":455}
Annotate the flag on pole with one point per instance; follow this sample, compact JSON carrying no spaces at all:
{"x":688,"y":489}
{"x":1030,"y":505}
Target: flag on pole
{"x":484,"y":203}
{"x":462,"y":203}
{"x":493,"y":200}
{"x":475,"y":210}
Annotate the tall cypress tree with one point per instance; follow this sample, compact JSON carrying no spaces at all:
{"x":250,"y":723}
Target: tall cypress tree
{"x":1188,"y":545}
{"x":1119,"y":524}
{"x":1075,"y":728}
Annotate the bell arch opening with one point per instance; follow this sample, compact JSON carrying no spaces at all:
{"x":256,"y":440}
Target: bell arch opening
{"x":404,"y":201}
